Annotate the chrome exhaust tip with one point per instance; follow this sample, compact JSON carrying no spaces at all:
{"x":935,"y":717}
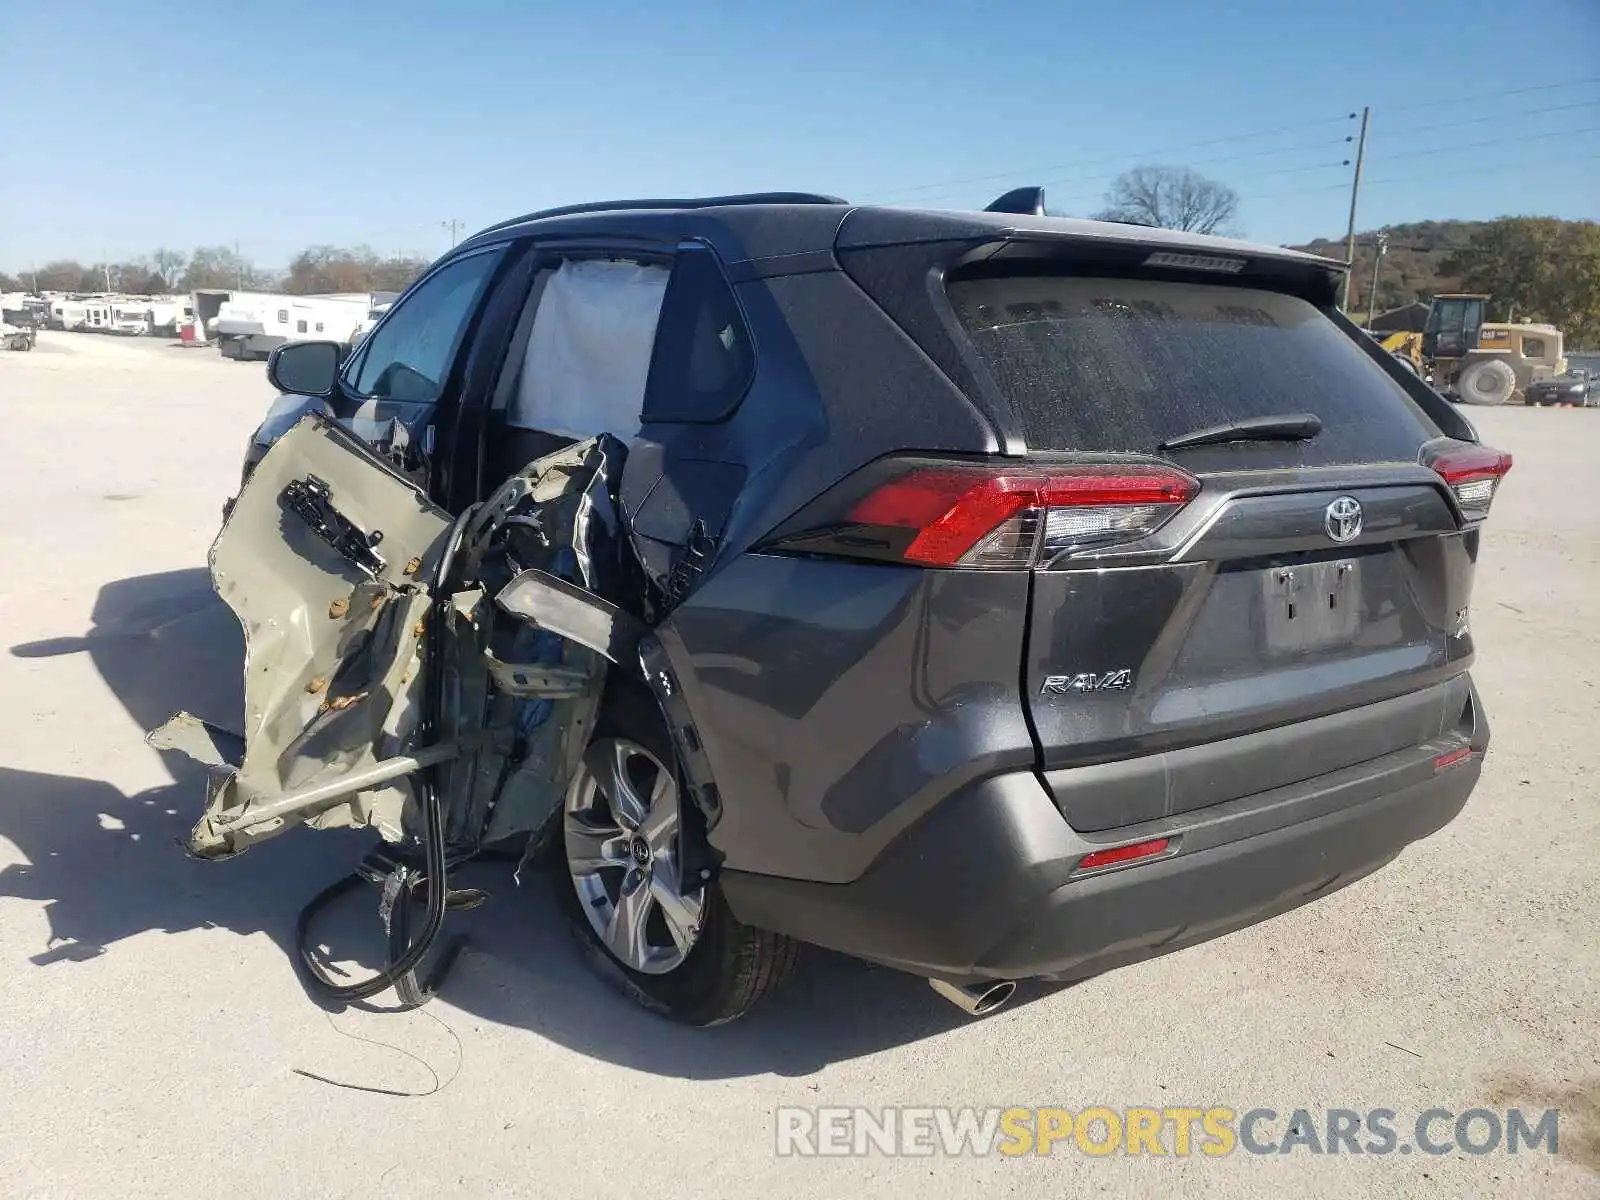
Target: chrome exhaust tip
{"x":976,"y":999}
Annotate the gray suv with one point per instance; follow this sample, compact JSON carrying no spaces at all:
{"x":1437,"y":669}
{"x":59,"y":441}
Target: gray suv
{"x":985,"y":594}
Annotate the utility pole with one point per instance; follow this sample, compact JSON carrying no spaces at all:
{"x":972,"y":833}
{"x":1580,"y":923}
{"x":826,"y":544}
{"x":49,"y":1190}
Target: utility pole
{"x":454,"y":227}
{"x":1377,"y":265}
{"x":1355,"y":191}
{"x":238,"y":267}
{"x":106,"y":266}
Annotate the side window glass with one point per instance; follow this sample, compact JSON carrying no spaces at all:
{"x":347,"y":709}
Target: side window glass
{"x":408,"y":357}
{"x":703,"y":359}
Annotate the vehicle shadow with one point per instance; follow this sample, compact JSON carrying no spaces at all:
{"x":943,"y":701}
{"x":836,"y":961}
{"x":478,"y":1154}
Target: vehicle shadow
{"x":106,"y":866}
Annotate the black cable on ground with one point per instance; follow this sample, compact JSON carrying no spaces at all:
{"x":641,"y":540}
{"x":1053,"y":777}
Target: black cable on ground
{"x":401,"y":971}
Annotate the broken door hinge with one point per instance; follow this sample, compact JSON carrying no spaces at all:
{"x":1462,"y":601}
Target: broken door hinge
{"x":311,"y":501}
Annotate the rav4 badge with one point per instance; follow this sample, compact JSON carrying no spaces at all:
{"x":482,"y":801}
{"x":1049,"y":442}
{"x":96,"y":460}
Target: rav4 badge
{"x":1111,"y":681}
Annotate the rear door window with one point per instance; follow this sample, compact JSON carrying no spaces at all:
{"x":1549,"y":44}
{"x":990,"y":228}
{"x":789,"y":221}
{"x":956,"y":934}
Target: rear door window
{"x":1123,"y":365}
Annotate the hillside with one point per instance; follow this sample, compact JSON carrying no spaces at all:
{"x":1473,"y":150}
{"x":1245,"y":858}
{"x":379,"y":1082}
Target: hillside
{"x":1412,"y":270}
{"x":1535,"y":268}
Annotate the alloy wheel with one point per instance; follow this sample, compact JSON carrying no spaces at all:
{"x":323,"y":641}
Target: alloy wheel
{"x":621,"y":826}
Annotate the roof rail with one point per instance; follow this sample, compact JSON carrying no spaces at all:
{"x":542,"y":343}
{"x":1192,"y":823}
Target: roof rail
{"x":572,"y":210}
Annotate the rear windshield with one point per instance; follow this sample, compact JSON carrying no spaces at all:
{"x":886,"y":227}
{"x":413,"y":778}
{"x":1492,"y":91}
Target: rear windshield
{"x":1124,"y":365}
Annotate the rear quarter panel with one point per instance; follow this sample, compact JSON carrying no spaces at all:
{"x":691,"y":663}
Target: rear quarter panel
{"x":839,"y":702}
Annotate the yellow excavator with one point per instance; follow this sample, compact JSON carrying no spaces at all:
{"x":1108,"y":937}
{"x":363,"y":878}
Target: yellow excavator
{"x":1476,"y":361}
{"x":1406,"y":346}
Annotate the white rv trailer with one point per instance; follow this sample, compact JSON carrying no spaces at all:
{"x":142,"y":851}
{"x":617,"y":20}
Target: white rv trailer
{"x":252,"y":324}
{"x":140,"y":315}
{"x":67,"y":314}
{"x":131,"y":317}
{"x":168,"y":313}
{"x":96,"y":315}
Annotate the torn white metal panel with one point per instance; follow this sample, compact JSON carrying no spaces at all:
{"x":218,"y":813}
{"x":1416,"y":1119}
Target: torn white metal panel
{"x":324,"y":558}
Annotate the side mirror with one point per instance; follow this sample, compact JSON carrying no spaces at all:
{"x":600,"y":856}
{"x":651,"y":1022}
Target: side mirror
{"x":305,"y":368}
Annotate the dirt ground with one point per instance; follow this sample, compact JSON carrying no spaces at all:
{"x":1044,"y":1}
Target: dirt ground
{"x":155,"y":1029}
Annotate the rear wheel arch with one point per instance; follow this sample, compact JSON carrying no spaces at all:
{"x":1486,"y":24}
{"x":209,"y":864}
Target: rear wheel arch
{"x":731,"y":966}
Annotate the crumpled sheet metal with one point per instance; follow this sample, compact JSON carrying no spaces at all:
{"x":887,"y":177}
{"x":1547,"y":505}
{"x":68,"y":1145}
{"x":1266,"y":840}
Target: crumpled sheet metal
{"x":333,"y":661}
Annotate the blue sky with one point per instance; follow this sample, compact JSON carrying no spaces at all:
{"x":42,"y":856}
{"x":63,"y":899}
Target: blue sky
{"x":278,"y":125}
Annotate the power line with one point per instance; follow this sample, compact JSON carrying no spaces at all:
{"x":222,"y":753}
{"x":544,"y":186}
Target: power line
{"x":945,"y":187}
{"x":1207,"y":162}
{"x":1447,"y":173}
{"x":1408,"y":130}
{"x":1078,"y":197}
{"x":1323,"y":166}
{"x":1500,"y":141}
{"x":1541,"y":87}
{"x":1472,"y":170}
{"x":1398,"y":160}
{"x":1115,"y":158}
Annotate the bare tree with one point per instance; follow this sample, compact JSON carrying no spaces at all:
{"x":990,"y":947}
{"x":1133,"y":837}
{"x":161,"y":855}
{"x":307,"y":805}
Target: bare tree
{"x":169,"y":264}
{"x":1171,"y":198}
{"x":60,"y":275}
{"x":222,"y":267}
{"x":319,"y":269}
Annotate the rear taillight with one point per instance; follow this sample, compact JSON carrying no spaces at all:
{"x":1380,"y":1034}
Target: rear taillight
{"x":1472,"y":473}
{"x":980,"y":516}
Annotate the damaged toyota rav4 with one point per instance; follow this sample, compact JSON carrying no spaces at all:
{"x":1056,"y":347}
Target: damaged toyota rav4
{"x":987,"y":595}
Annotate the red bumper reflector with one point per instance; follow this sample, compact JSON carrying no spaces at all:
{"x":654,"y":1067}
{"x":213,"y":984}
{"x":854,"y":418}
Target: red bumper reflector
{"x":1122,"y":854}
{"x":1452,"y":758}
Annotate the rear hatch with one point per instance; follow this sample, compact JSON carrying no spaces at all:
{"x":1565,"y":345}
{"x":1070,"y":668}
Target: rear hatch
{"x":1292,"y":537}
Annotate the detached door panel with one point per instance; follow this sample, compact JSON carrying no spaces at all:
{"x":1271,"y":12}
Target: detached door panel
{"x":325,"y":559}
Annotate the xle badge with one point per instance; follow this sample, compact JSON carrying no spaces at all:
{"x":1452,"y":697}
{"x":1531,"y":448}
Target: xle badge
{"x":1063,"y":685}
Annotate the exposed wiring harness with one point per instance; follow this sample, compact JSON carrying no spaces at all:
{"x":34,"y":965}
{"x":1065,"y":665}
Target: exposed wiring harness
{"x":405,"y":952}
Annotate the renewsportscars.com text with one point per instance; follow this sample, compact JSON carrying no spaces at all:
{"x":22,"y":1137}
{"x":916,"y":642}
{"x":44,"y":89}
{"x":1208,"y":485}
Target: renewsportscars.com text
{"x":1213,"y":1132}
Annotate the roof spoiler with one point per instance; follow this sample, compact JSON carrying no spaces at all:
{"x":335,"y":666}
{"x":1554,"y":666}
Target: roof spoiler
{"x":1025,"y":201}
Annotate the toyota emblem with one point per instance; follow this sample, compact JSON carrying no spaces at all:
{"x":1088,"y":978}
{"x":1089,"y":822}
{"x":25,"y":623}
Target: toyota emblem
{"x":1343,"y":519}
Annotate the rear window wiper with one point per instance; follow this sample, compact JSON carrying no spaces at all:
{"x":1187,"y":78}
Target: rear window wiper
{"x":1285,"y":427}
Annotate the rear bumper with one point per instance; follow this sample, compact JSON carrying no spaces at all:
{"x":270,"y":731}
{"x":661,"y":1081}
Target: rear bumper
{"x":985,"y":887}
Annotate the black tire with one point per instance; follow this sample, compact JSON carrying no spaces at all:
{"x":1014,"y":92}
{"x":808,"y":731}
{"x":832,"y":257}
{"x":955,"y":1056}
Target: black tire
{"x":731,"y":966}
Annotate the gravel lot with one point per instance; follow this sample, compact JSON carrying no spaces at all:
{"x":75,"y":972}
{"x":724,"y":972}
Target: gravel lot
{"x":155,"y":1025}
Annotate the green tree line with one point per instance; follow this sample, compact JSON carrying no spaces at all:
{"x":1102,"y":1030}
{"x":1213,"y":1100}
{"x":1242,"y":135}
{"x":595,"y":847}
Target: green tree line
{"x":1533,"y":268}
{"x":314,"y":270}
